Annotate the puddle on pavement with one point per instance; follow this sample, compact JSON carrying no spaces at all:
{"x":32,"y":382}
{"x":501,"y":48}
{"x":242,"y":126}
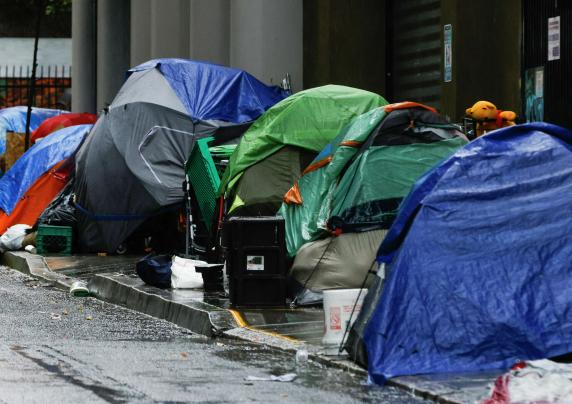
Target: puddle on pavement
{"x":312,"y":374}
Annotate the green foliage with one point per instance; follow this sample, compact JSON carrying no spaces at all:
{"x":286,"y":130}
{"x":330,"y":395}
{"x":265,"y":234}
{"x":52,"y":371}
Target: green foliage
{"x":57,"y":6}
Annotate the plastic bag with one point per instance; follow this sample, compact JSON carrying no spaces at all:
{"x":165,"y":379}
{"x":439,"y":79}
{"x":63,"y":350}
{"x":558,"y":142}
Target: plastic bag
{"x":155,"y":270}
{"x":183,"y":274}
{"x":61,"y":211}
{"x":13,"y":237}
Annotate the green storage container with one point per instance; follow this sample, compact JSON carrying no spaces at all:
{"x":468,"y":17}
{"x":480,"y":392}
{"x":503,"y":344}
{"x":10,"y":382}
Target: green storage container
{"x":54,"y":240}
{"x":204,"y":170}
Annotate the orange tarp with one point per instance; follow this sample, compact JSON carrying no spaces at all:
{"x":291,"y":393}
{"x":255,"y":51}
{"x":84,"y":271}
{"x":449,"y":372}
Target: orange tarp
{"x":38,"y":197}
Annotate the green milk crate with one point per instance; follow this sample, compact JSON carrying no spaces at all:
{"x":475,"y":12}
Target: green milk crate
{"x":204,"y":169}
{"x":54,"y":240}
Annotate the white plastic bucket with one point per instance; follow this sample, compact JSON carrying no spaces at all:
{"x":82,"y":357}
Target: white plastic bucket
{"x":338,"y":307}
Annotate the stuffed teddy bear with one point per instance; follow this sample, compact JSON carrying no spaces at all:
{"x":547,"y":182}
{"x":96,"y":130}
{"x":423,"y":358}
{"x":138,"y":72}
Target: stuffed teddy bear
{"x":489,"y":118}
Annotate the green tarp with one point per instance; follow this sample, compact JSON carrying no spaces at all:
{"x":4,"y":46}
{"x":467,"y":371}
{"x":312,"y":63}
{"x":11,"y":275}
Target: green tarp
{"x":362,"y":184}
{"x":308,"y":120}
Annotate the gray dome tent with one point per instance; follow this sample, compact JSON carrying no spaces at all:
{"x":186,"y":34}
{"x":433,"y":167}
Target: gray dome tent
{"x":131,"y":167}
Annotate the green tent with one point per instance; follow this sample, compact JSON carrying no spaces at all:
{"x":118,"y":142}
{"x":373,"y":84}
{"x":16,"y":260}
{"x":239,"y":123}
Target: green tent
{"x":361,"y":177}
{"x":279,"y":145}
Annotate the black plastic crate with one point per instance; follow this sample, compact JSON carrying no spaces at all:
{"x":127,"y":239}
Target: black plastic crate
{"x":254,"y":231}
{"x":257,"y":291}
{"x":256,"y":261}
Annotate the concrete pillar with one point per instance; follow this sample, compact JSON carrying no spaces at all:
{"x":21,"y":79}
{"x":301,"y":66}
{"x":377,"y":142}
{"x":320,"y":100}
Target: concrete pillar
{"x":266,"y":39}
{"x":112,"y":48}
{"x":140,"y":31}
{"x":83,"y":56}
{"x":170,"y":28}
{"x":209,"y":31}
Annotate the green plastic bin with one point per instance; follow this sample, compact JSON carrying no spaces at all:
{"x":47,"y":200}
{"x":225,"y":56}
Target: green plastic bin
{"x":204,"y":170}
{"x":54,"y":240}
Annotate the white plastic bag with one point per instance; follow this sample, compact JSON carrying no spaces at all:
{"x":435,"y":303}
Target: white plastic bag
{"x":183,"y":274}
{"x":13,"y":237}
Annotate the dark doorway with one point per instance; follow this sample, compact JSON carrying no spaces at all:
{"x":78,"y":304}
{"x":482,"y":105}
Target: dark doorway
{"x":414,"y":51}
{"x":553,"y":80}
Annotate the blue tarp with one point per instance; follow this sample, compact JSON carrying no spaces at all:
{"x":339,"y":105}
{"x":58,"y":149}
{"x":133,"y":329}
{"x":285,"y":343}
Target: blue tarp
{"x":480,"y":260}
{"x":36,"y":161}
{"x":213,"y":92}
{"x":14,"y":120}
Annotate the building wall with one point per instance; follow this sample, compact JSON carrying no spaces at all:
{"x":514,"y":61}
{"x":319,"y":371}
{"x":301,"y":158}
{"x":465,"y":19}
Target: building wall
{"x":263,"y":37}
{"x":317,"y":42}
{"x":169,"y":28}
{"x":266,"y":39}
{"x":210,"y":31}
{"x":486,"y":55}
{"x":344,"y":43}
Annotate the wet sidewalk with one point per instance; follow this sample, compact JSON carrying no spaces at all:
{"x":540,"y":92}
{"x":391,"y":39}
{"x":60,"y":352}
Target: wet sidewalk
{"x":113,"y":279}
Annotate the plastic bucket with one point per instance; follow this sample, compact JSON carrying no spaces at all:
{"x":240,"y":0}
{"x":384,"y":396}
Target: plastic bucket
{"x":338,"y":307}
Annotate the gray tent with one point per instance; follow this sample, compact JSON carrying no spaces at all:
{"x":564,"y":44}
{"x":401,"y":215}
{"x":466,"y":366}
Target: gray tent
{"x":132,"y":166}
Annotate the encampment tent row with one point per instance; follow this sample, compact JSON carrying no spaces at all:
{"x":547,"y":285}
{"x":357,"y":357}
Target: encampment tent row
{"x":463,"y":247}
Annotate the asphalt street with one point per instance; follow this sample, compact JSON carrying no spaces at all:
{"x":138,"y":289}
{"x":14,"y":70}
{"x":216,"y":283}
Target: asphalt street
{"x":56,"y":348}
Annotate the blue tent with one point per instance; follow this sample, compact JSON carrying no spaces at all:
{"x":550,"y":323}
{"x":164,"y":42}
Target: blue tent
{"x":36,"y":161}
{"x":213,"y":92}
{"x":479,"y":260}
{"x":13,"y":119}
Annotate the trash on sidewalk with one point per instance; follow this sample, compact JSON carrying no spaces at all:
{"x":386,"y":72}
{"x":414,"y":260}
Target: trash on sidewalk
{"x":13,"y":237}
{"x":301,"y":357}
{"x":155,"y":270}
{"x":184,"y":274}
{"x":288,"y":377}
{"x":79,"y":289}
{"x":540,"y":381}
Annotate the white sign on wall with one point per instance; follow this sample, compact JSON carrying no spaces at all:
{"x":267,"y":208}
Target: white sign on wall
{"x":448,"y":53}
{"x":554,"y":38}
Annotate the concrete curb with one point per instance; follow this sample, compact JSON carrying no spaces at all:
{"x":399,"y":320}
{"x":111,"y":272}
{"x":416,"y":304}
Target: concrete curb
{"x":199,"y":317}
{"x":35,"y":265}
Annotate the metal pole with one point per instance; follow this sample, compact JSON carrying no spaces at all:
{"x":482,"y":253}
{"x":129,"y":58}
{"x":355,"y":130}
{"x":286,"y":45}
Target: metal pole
{"x":41,"y":9}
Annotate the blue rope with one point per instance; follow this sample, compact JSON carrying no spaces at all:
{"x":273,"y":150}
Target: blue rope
{"x":122,"y":218}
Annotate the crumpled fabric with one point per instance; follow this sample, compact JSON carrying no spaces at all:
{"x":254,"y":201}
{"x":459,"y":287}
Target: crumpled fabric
{"x":479,"y":259}
{"x":36,"y":161}
{"x":541,"y":381}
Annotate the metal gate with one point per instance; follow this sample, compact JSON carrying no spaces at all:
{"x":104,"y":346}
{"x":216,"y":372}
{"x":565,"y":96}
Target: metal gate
{"x":51,"y":86}
{"x":554,"y":79}
{"x":414,"y":51}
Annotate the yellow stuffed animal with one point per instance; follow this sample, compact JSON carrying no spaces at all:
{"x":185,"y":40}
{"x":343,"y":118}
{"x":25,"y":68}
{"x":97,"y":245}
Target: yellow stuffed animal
{"x":489,"y":118}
